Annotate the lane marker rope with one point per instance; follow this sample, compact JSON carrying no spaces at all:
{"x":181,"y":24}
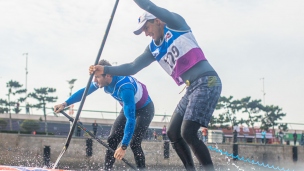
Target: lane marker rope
{"x":247,"y":160}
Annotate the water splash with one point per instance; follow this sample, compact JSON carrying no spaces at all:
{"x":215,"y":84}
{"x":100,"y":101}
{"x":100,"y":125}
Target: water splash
{"x":247,"y":160}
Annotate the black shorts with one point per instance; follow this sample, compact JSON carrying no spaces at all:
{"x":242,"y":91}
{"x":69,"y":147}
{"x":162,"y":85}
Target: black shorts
{"x":200,"y":100}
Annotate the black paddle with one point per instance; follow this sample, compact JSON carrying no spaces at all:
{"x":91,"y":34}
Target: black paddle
{"x":87,"y":87}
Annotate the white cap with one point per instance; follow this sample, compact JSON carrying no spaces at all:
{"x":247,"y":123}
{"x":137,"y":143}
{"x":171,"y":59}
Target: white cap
{"x":142,"y":21}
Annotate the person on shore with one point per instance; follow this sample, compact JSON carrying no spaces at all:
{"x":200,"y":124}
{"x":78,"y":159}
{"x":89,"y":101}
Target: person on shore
{"x":263,"y":137}
{"x":94,"y":126}
{"x":27,"y":108}
{"x":281,"y":135}
{"x":164,"y":132}
{"x":155,"y":135}
{"x":205,"y":134}
{"x":302,"y":138}
{"x":295,"y":137}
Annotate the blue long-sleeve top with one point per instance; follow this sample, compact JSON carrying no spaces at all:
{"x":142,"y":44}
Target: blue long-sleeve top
{"x":126,"y":99}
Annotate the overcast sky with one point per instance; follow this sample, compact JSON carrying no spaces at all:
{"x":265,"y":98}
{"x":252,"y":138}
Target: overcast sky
{"x":244,"y":40}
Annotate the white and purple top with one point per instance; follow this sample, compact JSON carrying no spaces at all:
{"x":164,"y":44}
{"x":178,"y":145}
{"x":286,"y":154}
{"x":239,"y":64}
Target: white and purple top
{"x":177,"y":52}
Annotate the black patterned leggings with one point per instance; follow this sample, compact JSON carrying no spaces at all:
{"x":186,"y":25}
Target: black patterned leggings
{"x":183,"y":134}
{"x":144,"y":117}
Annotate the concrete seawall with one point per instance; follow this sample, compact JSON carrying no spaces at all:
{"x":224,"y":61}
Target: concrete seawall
{"x":27,"y":150}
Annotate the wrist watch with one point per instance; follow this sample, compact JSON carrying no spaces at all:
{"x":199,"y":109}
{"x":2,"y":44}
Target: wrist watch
{"x":124,"y":147}
{"x":64,"y":105}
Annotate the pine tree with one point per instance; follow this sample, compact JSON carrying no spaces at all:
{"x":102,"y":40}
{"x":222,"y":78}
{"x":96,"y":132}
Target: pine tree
{"x":14,"y":88}
{"x":42,"y":95}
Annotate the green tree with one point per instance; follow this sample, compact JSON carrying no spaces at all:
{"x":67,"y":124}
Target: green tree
{"x":213,"y":121}
{"x":272,"y":115}
{"x":3,"y":124}
{"x":14,"y":88}
{"x":3,"y":106}
{"x":283,"y":126}
{"x":42,"y":95}
{"x":253,"y":109}
{"x":230,"y":108}
{"x":30,"y":125}
{"x":223,"y":121}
